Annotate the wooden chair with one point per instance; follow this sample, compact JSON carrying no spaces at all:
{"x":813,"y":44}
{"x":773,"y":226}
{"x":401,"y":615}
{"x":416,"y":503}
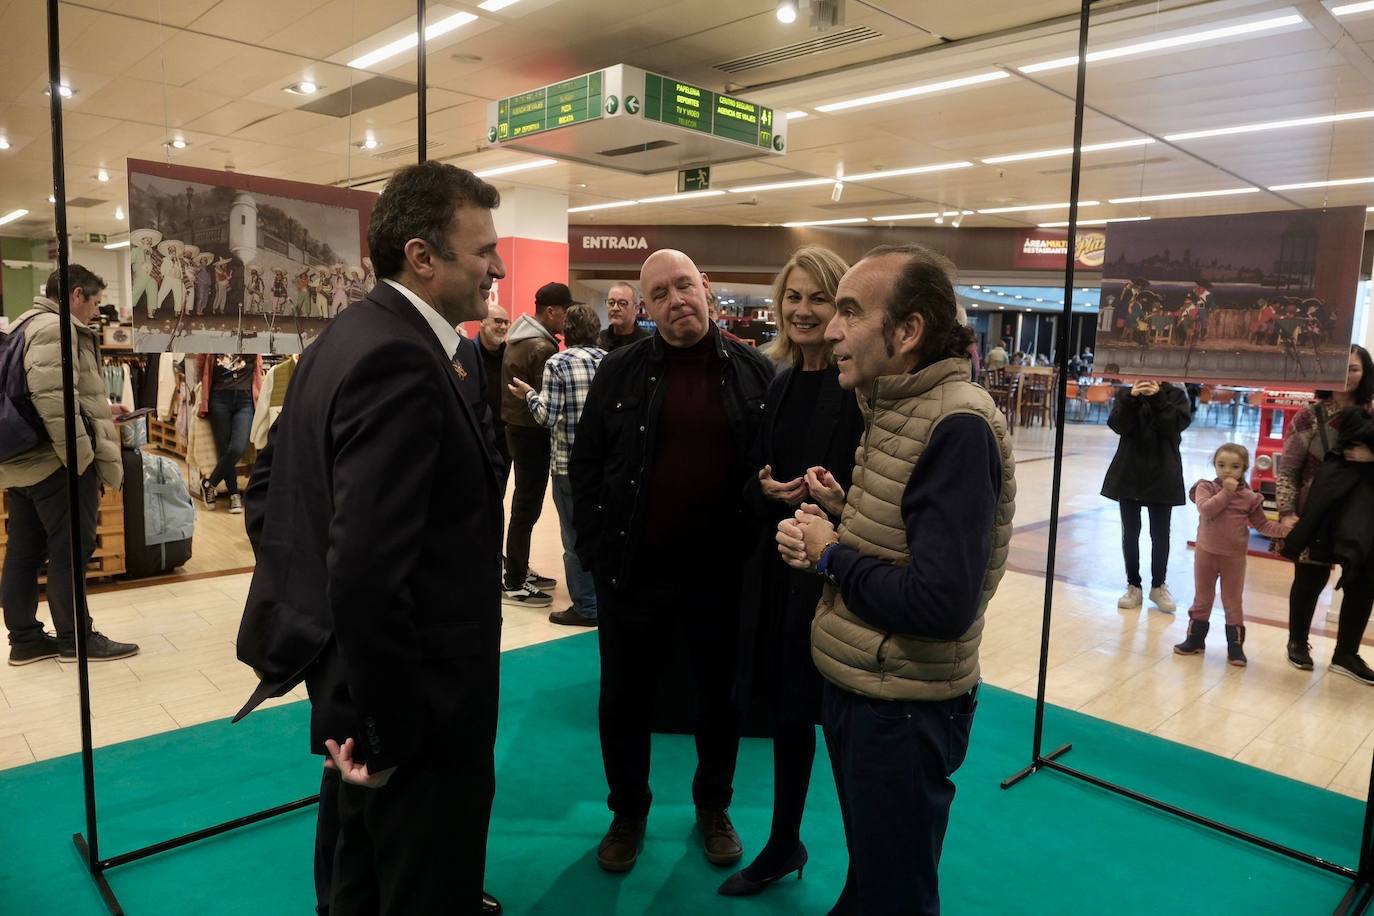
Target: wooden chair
{"x":1037,"y":398}
{"x":1002,"y":386}
{"x":1099,"y":395}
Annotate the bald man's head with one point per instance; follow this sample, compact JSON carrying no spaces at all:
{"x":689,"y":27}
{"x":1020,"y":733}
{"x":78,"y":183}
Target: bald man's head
{"x":494,"y":327}
{"x":675,"y":295}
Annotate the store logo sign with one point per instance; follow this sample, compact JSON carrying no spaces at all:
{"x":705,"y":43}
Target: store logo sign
{"x":1048,"y":249}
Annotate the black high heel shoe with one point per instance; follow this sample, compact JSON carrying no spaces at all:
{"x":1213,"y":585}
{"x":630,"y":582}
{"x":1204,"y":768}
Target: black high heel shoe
{"x":737,"y":885}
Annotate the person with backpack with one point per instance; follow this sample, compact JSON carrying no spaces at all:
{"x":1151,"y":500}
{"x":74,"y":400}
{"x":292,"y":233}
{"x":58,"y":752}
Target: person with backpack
{"x":36,"y":478}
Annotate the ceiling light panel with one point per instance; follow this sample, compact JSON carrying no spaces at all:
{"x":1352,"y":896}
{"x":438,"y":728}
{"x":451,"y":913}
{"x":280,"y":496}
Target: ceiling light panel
{"x":1094,"y":222}
{"x":1187,"y":195}
{"x":1068,"y":151}
{"x":1269,"y":125}
{"x":908,"y":92}
{"x":409,"y":40}
{"x":898,"y":173}
{"x":1334,"y":183}
{"x":1289,"y":19}
{"x":1026,"y":208}
{"x":826,"y":222}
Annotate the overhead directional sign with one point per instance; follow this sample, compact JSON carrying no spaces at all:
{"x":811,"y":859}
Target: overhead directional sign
{"x":550,"y":107}
{"x":684,"y":105}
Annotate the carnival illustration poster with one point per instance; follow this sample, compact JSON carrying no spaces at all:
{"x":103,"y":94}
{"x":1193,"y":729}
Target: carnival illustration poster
{"x":1246,"y":299}
{"x":229,"y":263}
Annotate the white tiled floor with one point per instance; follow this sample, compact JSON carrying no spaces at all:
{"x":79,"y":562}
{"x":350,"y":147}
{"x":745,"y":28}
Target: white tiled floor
{"x":1116,"y":665}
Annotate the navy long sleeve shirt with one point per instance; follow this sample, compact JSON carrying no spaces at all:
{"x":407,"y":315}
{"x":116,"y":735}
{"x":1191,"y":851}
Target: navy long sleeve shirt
{"x":949,"y":506}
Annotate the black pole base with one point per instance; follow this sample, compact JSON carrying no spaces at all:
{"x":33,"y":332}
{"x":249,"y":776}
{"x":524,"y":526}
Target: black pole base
{"x":98,"y":876}
{"x":1035,"y":766}
{"x":1356,"y":900}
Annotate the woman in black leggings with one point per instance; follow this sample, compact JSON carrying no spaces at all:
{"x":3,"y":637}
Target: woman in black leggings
{"x":1311,"y":435}
{"x":1147,"y":472}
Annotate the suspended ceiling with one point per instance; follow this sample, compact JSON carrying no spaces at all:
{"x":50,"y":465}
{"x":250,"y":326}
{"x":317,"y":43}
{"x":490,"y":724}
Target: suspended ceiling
{"x":212,"y":72}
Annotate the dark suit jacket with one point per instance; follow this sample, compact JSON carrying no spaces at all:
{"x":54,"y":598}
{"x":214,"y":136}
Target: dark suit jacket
{"x":376,"y":525}
{"x":475,"y":384}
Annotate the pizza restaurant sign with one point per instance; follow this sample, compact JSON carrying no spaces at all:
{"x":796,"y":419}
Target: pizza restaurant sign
{"x":1046,"y":249}
{"x":611,"y":244}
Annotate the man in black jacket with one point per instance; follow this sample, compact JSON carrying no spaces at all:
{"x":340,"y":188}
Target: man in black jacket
{"x":376,"y":525}
{"x":491,"y":346}
{"x":622,"y":308}
{"x":657,"y":471}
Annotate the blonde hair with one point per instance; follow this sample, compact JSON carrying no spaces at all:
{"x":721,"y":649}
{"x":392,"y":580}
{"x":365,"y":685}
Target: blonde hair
{"x":826,"y":268}
{"x":1236,"y":449}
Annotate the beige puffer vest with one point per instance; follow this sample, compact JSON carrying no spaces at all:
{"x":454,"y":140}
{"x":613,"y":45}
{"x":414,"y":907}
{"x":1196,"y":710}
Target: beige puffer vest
{"x":899,"y":420}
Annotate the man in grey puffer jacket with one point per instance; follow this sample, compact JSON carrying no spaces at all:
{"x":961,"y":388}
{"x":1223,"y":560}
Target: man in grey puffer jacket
{"x":39,"y":515}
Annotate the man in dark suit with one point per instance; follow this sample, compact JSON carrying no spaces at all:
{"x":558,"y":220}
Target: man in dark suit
{"x":376,"y":524}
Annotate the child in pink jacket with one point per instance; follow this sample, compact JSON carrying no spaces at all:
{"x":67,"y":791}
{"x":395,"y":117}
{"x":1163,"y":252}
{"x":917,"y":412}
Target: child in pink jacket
{"x":1229,"y":509}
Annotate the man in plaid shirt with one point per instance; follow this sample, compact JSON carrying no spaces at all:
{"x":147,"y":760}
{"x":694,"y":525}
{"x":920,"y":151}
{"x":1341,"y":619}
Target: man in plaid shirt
{"x":567,"y":379}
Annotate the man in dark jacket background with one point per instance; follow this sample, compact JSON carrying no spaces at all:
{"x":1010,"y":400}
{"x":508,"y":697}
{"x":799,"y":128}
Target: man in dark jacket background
{"x":622,"y":308}
{"x":491,"y":346}
{"x":530,"y":343}
{"x":658,"y":472}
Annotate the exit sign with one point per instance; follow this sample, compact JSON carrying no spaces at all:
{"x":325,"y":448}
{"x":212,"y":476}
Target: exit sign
{"x":97,"y":238}
{"x":697,"y":179}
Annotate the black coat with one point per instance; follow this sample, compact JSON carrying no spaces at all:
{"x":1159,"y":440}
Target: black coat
{"x":611,"y":464}
{"x":777,"y":603}
{"x":475,"y":384}
{"x":376,"y":524}
{"x":1337,"y":524}
{"x":1147,"y":467}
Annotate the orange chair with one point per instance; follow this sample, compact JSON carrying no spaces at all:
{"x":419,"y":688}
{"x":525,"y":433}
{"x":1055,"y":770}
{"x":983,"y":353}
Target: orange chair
{"x":1100,"y":395}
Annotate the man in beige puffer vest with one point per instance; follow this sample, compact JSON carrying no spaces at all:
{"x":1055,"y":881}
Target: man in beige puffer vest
{"x":920,"y":549}
{"x":36,"y":481}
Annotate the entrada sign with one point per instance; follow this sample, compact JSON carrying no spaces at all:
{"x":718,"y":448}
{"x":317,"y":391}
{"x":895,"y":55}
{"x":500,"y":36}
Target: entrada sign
{"x":597,"y":242}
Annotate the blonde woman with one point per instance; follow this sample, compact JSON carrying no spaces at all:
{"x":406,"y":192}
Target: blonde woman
{"x":805,"y":453}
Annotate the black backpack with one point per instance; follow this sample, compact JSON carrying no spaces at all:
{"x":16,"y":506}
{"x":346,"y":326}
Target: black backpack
{"x":20,"y":426}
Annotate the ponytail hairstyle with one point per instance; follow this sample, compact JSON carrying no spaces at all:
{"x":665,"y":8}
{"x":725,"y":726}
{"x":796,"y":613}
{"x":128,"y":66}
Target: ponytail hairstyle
{"x":925,"y":287}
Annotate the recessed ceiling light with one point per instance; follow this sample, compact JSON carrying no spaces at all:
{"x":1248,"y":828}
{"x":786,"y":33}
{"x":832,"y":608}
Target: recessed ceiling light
{"x":1269,"y":125}
{"x":113,"y":245}
{"x":12,"y":216}
{"x":63,"y":90}
{"x":516,"y":167}
{"x":1094,"y":222}
{"x":51,"y":199}
{"x":401,"y":45}
{"x":976,"y":286}
{"x":690,"y":195}
{"x":1347,"y":9}
{"x":903,"y":216}
{"x":4,"y":143}
{"x":794,"y":115}
{"x":369,"y":143}
{"x":914,"y":170}
{"x":1067,"y":151}
{"x":119,"y":212}
{"x":780,"y":185}
{"x":1027,"y":207}
{"x":495,"y":6}
{"x":787,"y":11}
{"x":177,"y":143}
{"x":1334,"y":183}
{"x":826,"y":222}
{"x":102,"y":176}
{"x":304,"y":87}
{"x":607,"y":206}
{"x":1184,"y":196}
{"x":1176,"y":41}
{"x":911,"y":91}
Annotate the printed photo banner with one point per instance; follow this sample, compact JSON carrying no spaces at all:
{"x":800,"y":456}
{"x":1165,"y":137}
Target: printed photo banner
{"x":1262,"y":299}
{"x":223,"y":262}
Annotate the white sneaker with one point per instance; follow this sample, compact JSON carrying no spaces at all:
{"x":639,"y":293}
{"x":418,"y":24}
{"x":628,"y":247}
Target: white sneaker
{"x":1163,"y":600}
{"x":1133,"y":598}
{"x":236,"y":504}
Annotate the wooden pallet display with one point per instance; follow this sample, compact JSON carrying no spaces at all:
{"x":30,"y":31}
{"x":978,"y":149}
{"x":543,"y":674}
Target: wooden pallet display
{"x":163,"y":437}
{"x":109,"y":559}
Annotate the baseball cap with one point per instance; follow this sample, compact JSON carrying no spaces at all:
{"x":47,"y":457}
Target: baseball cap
{"x":554,"y":294}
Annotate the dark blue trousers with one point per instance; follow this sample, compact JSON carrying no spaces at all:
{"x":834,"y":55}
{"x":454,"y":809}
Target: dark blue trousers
{"x":892,"y":762}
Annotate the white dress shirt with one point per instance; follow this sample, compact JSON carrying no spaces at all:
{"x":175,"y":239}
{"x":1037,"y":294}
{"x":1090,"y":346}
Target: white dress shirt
{"x":448,"y":337}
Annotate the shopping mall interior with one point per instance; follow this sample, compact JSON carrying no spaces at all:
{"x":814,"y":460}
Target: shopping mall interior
{"x":1199,"y":785}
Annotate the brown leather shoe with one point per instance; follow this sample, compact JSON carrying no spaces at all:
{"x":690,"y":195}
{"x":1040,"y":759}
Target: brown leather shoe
{"x":718,"y":836}
{"x":619,"y":849}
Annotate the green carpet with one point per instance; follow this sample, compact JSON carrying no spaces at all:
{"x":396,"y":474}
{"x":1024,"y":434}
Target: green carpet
{"x":1050,"y":845}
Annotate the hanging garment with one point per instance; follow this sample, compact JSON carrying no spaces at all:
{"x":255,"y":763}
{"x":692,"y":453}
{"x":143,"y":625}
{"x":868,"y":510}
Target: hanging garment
{"x":270,"y":400}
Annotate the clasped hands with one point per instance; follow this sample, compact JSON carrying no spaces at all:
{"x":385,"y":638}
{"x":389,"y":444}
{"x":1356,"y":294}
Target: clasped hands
{"x":817,"y":484}
{"x":803,"y":537}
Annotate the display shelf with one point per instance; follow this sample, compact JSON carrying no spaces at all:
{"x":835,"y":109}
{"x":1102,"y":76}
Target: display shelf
{"x":109,"y":558}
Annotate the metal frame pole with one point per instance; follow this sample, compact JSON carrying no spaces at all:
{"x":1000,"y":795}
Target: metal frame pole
{"x":421,"y":92}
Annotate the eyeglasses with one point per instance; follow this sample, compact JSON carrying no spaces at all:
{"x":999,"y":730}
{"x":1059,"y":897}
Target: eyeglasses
{"x":619,"y":303}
